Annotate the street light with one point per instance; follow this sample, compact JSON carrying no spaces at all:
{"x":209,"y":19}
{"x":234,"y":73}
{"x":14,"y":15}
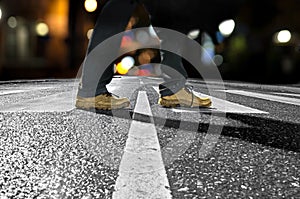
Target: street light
{"x":90,"y":5}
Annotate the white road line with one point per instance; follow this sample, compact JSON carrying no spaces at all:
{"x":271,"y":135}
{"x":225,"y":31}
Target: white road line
{"x":142,"y":173}
{"x":286,"y":100}
{"x":242,"y":85}
{"x":60,"y":102}
{"x":8,"y":92}
{"x":11,"y":91}
{"x":288,"y":94}
{"x":221,"y":105}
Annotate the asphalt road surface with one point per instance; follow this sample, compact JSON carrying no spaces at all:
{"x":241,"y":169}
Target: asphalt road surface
{"x":247,"y":145}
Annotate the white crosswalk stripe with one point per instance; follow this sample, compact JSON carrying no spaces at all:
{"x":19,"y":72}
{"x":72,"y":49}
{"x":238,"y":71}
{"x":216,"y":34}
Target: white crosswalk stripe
{"x":60,"y":102}
{"x":15,"y":91}
{"x":65,"y":101}
{"x":8,"y":92}
{"x":281,"y":99}
{"x":288,"y":94}
{"x":142,"y":173}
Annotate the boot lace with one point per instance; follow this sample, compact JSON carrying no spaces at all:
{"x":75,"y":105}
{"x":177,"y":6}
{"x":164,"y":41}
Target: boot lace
{"x":108,"y":94}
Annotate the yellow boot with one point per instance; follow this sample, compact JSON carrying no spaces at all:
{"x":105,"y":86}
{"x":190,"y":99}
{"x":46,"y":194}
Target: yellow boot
{"x":102,"y":102}
{"x":184,"y":98}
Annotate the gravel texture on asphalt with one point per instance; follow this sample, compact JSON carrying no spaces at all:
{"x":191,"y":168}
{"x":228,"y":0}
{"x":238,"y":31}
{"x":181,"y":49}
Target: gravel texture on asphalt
{"x":233,"y":169}
{"x":60,"y":155}
{"x":77,"y":154}
{"x":236,"y":167}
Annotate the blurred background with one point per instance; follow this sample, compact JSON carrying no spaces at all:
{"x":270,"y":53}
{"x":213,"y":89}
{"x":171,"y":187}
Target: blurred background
{"x":249,"y":40}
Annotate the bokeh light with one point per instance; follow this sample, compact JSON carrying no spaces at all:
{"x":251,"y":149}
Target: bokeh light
{"x":0,"y":13}
{"x":218,"y":59}
{"x":146,"y":56}
{"x":127,"y":38}
{"x":208,"y":44}
{"x":90,"y":5}
{"x":283,"y":36}
{"x":127,"y":62}
{"x":124,"y":66}
{"x":12,"y":22}
{"x":89,"y":33}
{"x":226,"y":27}
{"x":120,"y":69}
{"x":42,"y":29}
{"x":193,"y":34}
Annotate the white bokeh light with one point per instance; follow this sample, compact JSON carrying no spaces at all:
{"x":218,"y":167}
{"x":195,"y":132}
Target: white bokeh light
{"x":127,"y":62}
{"x":283,"y":36}
{"x":90,"y":5}
{"x":89,"y":33}
{"x":0,"y":13}
{"x":42,"y":29}
{"x":193,"y":34}
{"x":227,"y":27}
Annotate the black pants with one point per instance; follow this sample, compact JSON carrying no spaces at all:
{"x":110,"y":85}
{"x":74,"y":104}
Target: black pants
{"x":112,"y":20}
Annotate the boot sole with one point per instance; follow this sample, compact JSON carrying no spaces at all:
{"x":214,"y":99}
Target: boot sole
{"x":175,"y":103}
{"x":88,"y":106}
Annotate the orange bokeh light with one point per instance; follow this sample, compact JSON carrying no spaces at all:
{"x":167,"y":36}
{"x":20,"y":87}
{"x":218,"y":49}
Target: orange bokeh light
{"x":121,"y":69}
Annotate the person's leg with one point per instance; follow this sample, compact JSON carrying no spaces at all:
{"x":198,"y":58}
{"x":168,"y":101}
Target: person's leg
{"x":97,"y":73}
{"x":174,"y":74}
{"x":112,"y":20}
{"x":173,"y":91}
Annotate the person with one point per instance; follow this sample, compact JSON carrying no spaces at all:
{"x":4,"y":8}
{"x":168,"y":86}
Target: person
{"x":116,"y":17}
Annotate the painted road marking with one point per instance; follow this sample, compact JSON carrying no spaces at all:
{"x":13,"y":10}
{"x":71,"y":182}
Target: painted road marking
{"x":288,"y":94}
{"x":142,"y":173}
{"x":11,"y":91}
{"x":253,"y":86}
{"x":8,"y":92}
{"x":60,"y":102}
{"x":286,"y":100}
{"x":220,"y":105}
